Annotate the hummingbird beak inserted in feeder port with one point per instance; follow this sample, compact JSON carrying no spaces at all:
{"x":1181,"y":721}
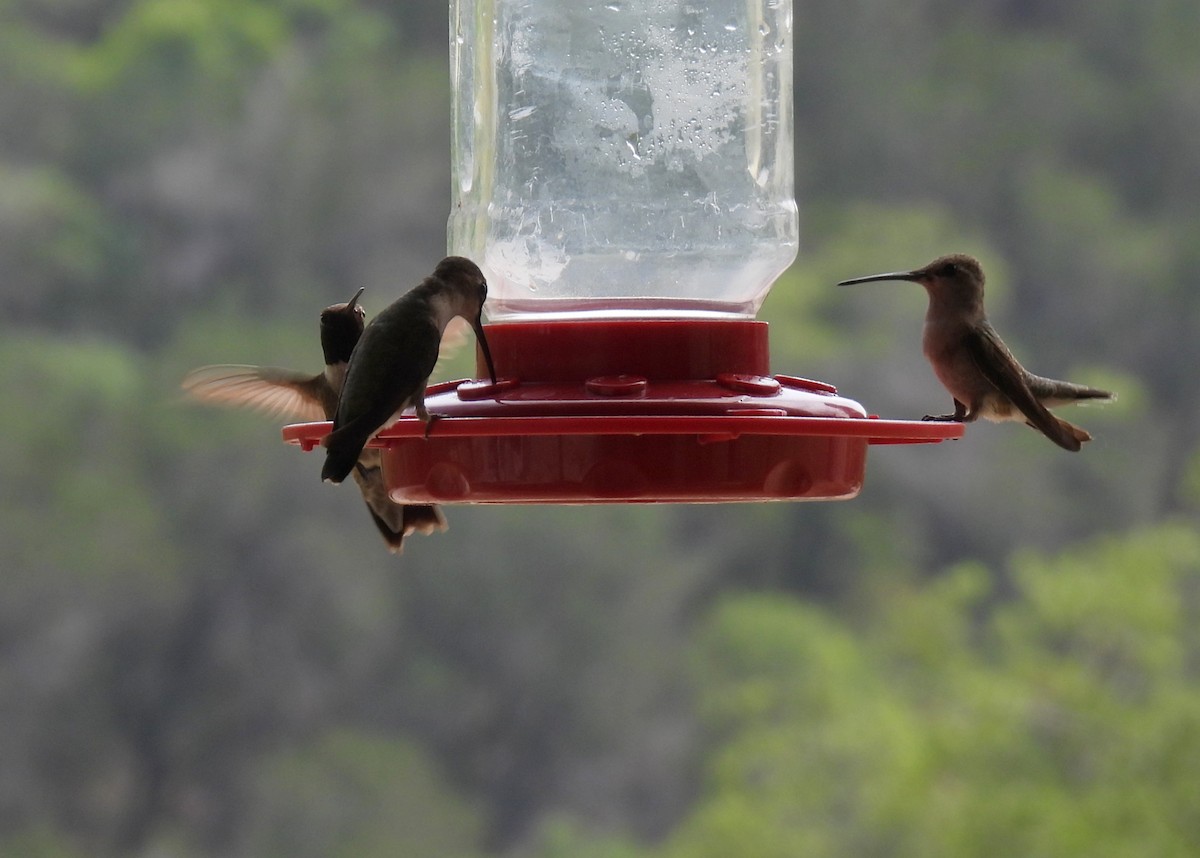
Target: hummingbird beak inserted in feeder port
{"x":626,"y":183}
{"x":481,"y":338}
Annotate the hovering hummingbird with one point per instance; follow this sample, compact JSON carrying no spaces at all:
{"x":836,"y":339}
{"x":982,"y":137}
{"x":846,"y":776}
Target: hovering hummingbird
{"x":391,"y":364}
{"x":973,"y":363}
{"x":285,"y":393}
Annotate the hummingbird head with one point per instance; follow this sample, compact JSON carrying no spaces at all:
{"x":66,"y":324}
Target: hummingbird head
{"x":341,"y":326}
{"x":465,"y":292}
{"x":954,"y":279}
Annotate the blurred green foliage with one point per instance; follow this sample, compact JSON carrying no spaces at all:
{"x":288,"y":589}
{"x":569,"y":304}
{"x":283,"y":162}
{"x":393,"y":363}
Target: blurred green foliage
{"x":204,"y":651}
{"x":1063,"y":720}
{"x":349,"y":795}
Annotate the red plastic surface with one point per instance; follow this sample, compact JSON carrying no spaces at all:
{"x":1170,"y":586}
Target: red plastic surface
{"x":633,"y":411}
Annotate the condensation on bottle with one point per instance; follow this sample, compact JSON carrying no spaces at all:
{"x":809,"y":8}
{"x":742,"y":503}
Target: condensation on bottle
{"x":623,"y":158}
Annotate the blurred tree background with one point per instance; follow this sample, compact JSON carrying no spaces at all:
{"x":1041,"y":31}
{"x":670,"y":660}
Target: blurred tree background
{"x":205,"y":652}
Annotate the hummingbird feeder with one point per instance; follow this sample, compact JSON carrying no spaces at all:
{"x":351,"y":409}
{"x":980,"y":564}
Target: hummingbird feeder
{"x":623,"y":174}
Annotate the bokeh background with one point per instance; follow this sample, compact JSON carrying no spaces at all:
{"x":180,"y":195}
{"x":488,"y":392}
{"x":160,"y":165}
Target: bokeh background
{"x":204,"y":651}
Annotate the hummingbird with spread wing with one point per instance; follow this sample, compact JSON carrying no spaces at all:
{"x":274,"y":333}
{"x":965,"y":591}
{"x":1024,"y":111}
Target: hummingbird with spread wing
{"x":288,"y":394}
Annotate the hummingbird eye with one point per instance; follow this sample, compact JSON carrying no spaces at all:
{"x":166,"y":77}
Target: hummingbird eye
{"x":949,"y":269}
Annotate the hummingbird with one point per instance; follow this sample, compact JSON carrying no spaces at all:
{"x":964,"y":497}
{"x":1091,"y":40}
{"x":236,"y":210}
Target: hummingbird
{"x":975,"y":366}
{"x":390,"y":366}
{"x":286,"y":393}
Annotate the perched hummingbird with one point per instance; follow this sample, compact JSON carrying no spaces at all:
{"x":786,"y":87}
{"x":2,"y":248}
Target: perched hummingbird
{"x":391,"y":364}
{"x":285,"y":393}
{"x":973,"y":363}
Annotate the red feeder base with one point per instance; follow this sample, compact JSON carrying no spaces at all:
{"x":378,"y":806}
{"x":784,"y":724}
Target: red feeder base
{"x":633,"y":412}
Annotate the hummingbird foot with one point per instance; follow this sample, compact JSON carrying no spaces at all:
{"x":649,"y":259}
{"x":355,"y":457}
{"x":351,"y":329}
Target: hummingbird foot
{"x":423,"y":414}
{"x":961,"y":415}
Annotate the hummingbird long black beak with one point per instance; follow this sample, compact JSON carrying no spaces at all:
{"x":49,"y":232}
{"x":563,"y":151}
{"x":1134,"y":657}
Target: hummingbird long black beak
{"x":352,"y":304}
{"x":911,"y":276}
{"x":477,"y":324}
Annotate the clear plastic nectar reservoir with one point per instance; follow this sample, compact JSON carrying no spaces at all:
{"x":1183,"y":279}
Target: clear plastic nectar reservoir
{"x":623,"y":158}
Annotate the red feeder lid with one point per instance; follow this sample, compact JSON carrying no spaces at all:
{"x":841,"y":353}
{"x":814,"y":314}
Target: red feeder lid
{"x":632,"y":411}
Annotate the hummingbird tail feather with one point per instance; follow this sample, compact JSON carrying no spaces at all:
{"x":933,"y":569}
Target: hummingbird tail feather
{"x":342,"y":448}
{"x":423,"y":518}
{"x":1069,"y":436}
{"x":405,"y":519}
{"x":394,"y":539}
{"x":1078,"y":433}
{"x":1064,"y":434}
{"x":385,"y":512}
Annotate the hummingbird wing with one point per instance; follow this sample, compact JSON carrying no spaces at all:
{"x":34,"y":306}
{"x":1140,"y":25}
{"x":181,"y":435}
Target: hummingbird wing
{"x":998,"y":365}
{"x":276,"y":392}
{"x":388,"y":369}
{"x":385,"y":372}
